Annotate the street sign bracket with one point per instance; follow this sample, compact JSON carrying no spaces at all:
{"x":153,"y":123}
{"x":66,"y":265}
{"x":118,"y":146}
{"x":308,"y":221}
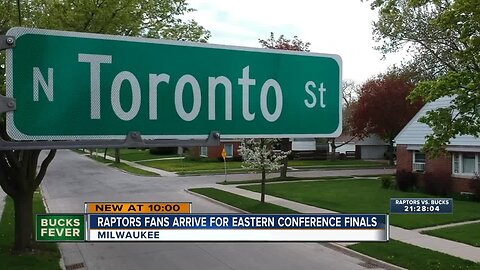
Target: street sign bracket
{"x":133,"y":139}
{"x":7,"y":104}
{"x":6,"y":42}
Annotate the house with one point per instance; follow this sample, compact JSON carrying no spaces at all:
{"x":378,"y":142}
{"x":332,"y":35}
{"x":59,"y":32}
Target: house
{"x":303,"y":144}
{"x":461,"y":162}
{"x":371,"y":147}
{"x":348,"y":144}
{"x":215,"y":152}
{"x":231,"y":148}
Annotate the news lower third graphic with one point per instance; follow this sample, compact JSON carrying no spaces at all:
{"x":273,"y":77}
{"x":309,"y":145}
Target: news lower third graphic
{"x":174,"y":222}
{"x":421,"y":205}
{"x":60,"y":227}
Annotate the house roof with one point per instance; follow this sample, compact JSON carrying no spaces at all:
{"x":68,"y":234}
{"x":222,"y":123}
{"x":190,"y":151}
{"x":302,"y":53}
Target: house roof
{"x":344,"y":138}
{"x":371,"y":140}
{"x":414,"y":132}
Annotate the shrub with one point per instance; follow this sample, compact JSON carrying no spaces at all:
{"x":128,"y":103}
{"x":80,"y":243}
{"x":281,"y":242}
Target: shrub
{"x":387,"y":181}
{"x":163,"y":150}
{"x":476,"y":187}
{"x":463,"y":196}
{"x":438,"y":184}
{"x":190,"y":157}
{"x":234,"y":158}
{"x":405,"y":180}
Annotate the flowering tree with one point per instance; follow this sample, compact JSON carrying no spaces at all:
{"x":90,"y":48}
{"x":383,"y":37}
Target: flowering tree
{"x":258,"y":154}
{"x":382,"y":108}
{"x":283,"y":43}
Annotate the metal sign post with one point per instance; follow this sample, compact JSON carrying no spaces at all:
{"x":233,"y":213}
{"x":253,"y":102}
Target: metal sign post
{"x":224,"y":156}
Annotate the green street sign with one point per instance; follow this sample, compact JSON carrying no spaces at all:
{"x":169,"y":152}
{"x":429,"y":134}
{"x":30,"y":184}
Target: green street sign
{"x":60,"y":227}
{"x":75,"y":86}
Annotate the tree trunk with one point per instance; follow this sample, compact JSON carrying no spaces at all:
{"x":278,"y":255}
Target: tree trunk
{"x":23,"y":204}
{"x":262,"y":196}
{"x":333,"y":155}
{"x":19,"y":178}
{"x":390,"y":153}
{"x":285,"y":146}
{"x":117,"y":155}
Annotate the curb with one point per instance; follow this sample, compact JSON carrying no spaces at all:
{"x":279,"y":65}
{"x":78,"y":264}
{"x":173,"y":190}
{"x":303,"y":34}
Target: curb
{"x":47,"y":210}
{"x":3,"y":199}
{"x":216,"y":202}
{"x":334,"y":246}
{"x":62,"y":264}
{"x":363,"y":257}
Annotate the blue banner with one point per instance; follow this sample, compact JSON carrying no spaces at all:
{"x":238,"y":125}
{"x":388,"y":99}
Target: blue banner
{"x":237,"y":221}
{"x":421,"y":205}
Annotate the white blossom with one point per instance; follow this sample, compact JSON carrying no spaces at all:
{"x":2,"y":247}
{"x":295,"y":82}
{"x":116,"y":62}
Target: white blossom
{"x":258,"y":154}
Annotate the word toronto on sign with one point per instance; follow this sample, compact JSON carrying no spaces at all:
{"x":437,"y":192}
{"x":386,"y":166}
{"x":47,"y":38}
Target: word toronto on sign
{"x":74,"y":86}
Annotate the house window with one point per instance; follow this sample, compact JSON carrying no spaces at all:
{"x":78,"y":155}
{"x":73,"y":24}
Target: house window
{"x":204,"y":151}
{"x":418,"y":161}
{"x":229,"y":150}
{"x":456,"y":163}
{"x":466,"y":163}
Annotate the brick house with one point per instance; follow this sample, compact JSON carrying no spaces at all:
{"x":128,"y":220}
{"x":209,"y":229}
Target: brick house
{"x":231,"y":148}
{"x":461,"y":161}
{"x":215,"y":152}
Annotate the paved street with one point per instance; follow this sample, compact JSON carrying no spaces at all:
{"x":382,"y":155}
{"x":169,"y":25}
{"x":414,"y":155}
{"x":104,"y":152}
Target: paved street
{"x":73,"y":179}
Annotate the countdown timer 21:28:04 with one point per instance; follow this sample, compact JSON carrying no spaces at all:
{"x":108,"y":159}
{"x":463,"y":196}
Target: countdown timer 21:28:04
{"x":421,"y":208}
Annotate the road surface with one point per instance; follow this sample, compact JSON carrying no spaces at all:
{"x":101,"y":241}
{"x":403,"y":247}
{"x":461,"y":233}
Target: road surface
{"x":73,"y":179}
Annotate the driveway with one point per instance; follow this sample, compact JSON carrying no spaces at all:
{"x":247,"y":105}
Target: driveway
{"x":73,"y":179}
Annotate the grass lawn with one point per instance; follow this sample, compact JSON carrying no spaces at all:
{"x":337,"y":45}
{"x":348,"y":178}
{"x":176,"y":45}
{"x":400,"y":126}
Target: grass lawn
{"x":395,"y":252}
{"x":78,"y":151}
{"x":247,"y":204}
{"x":197,"y":166}
{"x":365,"y":196}
{"x":468,"y":234}
{"x":99,"y":159}
{"x":279,"y":179}
{"x":132,"y":170}
{"x":45,"y":255}
{"x":350,"y":163}
{"x":215,"y":166}
{"x":136,"y":154}
{"x":412,"y":257}
{"x":122,"y":166}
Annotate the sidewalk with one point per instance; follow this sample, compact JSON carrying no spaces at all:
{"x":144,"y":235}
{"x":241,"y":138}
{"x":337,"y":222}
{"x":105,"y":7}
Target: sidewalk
{"x":413,"y":237}
{"x":142,"y":167}
{"x":319,"y":172}
{"x":3,"y":197}
{"x":297,"y":172}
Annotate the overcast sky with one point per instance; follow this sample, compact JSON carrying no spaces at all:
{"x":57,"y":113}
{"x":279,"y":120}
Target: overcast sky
{"x":342,"y":27}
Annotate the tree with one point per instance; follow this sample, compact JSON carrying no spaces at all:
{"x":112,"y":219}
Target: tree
{"x":258,"y":154}
{"x":349,"y":96}
{"x":283,"y":43}
{"x":443,"y":40}
{"x":149,"y":18}
{"x":382,"y":108}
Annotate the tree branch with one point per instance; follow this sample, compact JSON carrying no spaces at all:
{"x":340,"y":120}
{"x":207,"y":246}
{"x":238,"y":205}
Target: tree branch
{"x":12,"y":159}
{"x":348,"y":141}
{"x":32,"y":169}
{"x":43,"y":168}
{"x":435,"y":55}
{"x":4,"y":179}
